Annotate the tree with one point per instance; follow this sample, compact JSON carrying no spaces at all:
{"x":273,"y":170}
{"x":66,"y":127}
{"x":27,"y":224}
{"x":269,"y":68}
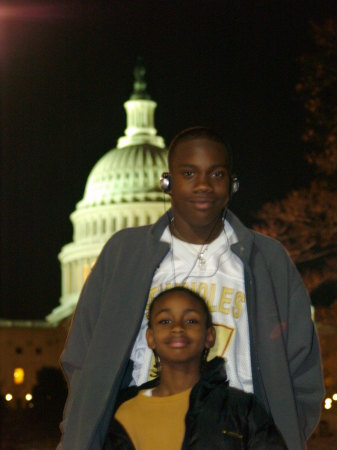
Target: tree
{"x":306,"y":220}
{"x":318,"y":88}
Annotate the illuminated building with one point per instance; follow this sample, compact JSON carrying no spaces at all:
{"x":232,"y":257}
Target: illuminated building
{"x":122,"y":191}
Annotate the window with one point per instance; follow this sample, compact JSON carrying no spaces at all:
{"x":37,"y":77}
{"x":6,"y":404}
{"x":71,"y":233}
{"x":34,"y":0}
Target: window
{"x":19,"y":375}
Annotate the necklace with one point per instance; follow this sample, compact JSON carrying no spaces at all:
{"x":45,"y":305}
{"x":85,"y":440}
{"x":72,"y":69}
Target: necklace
{"x":200,"y":255}
{"x":201,"y":260}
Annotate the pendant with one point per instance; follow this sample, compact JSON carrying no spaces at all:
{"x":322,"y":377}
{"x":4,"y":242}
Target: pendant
{"x":202,"y":262}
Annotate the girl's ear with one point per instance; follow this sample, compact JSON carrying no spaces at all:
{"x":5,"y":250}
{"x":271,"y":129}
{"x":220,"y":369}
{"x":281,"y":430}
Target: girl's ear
{"x":150,"y":339}
{"x":210,"y":337}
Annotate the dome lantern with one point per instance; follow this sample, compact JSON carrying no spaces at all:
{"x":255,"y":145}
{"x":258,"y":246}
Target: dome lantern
{"x":140,"y":114}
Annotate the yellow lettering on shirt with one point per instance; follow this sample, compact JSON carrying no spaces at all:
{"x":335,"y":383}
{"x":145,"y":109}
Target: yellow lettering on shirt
{"x":203,"y":289}
{"x":226,"y":298}
{"x":224,"y":335}
{"x":210,"y":298}
{"x":193,"y":286}
{"x":152,"y":293}
{"x":238,"y":300}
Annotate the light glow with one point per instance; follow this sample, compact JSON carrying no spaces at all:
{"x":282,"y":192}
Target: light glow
{"x":8,"y":397}
{"x":328,"y":403}
{"x":334,"y":397}
{"x":19,"y":375}
{"x":29,"y":397}
{"x":33,"y":11}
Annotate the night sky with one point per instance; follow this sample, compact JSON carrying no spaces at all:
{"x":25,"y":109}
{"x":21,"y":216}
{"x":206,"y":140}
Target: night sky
{"x":67,"y":69}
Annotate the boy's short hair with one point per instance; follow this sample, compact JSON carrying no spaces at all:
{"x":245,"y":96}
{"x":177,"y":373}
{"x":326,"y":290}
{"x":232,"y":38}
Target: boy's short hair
{"x":187,"y":291}
{"x":200,"y":132}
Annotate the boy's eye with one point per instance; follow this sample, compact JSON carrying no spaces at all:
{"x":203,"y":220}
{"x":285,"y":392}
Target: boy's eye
{"x":219,"y":174}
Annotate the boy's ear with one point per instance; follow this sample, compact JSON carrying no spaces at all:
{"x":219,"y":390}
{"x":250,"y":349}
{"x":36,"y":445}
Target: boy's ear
{"x":149,"y":339}
{"x":210,"y":337}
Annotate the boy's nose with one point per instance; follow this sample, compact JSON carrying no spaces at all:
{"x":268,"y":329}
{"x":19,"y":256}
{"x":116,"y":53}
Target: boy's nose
{"x":202,"y":184}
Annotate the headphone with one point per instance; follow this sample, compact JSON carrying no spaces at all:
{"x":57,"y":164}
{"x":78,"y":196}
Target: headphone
{"x":165,"y":183}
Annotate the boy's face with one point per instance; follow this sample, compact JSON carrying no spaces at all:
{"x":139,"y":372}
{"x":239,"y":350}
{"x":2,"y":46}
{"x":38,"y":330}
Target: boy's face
{"x":200,"y":181}
{"x":178,"y":330}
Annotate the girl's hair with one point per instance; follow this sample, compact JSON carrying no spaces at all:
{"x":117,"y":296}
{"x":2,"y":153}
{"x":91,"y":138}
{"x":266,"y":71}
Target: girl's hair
{"x":188,"y":292}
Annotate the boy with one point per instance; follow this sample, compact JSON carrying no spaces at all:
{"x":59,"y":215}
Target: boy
{"x":189,"y":405}
{"x":253,"y":289}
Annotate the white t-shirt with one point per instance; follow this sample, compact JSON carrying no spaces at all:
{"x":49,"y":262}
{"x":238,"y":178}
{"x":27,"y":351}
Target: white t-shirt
{"x":217,"y":275}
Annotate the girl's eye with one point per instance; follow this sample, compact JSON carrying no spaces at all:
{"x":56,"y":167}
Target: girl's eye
{"x":188,"y":173}
{"x":164,"y":321}
{"x":193,"y":321}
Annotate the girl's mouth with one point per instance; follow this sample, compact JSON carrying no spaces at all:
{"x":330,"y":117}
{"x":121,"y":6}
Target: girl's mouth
{"x":178,"y":343}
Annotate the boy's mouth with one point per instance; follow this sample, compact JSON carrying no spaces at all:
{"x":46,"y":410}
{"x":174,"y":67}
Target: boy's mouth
{"x":202,"y":203}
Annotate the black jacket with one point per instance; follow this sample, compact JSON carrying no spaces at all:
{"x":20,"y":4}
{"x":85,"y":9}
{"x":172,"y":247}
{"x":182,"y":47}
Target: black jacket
{"x":219,"y":417}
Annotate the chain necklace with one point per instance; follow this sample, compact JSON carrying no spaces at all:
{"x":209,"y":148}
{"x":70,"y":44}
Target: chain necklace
{"x":200,"y":258}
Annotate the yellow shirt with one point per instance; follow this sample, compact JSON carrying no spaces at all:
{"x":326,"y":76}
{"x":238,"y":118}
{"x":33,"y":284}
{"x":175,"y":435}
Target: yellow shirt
{"x":154,"y":423}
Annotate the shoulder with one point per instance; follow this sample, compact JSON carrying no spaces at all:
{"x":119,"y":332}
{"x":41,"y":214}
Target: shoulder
{"x":128,"y":406}
{"x":132,"y":391}
{"x":269,"y":245}
{"x":128,"y":234}
{"x":239,"y":397}
{"x":260,"y":241}
{"x":254,"y":243}
{"x":125,"y":240}
{"x":271,"y":254}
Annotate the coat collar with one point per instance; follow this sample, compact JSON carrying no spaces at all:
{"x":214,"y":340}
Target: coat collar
{"x":242,"y":248}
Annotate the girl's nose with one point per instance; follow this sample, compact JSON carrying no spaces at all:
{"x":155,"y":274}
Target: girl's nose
{"x":177,"y":327}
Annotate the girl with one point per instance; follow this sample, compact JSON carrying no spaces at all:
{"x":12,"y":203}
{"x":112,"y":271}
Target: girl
{"x":189,"y":405}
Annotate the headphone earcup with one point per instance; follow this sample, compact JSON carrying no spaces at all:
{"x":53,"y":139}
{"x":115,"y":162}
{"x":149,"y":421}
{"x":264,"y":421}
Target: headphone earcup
{"x":235,"y":184}
{"x":165,"y":182}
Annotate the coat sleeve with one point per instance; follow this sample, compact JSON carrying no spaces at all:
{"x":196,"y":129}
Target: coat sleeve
{"x":298,"y":332}
{"x":304,"y":357}
{"x":82,"y":328}
{"x":84,"y":320}
{"x":301,"y":340}
{"x":117,"y":438}
{"x":262,"y":432}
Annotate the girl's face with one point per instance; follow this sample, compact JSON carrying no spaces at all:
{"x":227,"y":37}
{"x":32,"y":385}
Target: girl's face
{"x":178,"y":332}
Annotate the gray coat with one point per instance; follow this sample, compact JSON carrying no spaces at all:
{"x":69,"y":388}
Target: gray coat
{"x":285,"y":354}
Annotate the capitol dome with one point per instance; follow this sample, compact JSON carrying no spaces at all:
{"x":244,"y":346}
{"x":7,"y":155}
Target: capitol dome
{"x":129,"y":174}
{"x":122,"y":191}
